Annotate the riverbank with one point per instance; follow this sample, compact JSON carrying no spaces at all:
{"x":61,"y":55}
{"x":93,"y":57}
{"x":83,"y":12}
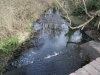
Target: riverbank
{"x":16,"y":20}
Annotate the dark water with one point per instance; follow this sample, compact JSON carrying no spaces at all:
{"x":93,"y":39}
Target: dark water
{"x":54,"y":52}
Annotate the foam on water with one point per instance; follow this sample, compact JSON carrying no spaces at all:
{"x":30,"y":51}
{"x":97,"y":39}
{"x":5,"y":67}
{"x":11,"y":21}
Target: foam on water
{"x":49,"y":56}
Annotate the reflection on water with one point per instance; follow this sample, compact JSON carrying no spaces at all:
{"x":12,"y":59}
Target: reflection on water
{"x":51,"y":41}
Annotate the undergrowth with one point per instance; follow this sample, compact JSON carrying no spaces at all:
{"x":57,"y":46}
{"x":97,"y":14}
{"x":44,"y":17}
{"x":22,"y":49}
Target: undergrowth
{"x":93,"y":5}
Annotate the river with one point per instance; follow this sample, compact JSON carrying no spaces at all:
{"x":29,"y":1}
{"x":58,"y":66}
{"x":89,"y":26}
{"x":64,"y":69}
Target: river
{"x":54,"y":52}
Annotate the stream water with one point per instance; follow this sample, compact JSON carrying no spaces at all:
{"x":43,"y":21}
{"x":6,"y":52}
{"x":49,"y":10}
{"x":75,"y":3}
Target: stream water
{"x":53,"y":46}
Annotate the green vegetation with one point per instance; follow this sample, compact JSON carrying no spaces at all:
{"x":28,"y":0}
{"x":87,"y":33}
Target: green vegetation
{"x":93,"y":5}
{"x":28,"y":29}
{"x":9,"y":45}
{"x":78,"y":11}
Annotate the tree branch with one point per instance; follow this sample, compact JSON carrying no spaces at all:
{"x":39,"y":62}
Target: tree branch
{"x":82,"y":25}
{"x":86,"y":9}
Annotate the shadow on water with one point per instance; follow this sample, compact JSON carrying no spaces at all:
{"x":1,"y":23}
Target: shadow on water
{"x":54,"y":50}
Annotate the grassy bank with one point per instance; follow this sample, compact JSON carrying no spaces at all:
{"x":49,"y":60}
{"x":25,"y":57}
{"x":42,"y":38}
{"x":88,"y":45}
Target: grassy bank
{"x":16,"y":19}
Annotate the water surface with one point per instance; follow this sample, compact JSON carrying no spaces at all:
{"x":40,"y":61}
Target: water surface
{"x":54,"y":51}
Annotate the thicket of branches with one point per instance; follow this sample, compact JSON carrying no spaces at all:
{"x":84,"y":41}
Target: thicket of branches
{"x":91,"y":16}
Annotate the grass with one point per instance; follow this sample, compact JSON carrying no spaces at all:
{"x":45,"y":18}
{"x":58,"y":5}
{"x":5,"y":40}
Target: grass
{"x":28,"y":29}
{"x":9,"y":45}
{"x":17,"y":18}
